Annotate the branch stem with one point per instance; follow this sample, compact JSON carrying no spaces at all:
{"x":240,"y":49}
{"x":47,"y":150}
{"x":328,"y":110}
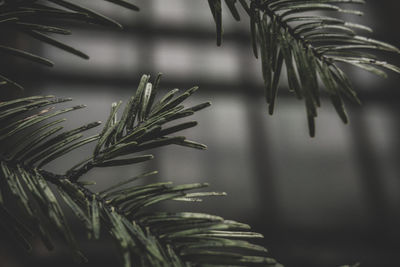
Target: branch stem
{"x":273,"y":15}
{"x":73,"y":175}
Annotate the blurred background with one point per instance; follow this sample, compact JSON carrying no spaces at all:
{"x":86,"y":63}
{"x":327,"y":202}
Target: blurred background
{"x":324,"y":201}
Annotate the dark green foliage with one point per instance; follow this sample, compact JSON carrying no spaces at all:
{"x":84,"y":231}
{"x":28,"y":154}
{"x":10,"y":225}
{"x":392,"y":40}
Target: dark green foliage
{"x":143,"y":239}
{"x":31,"y":138}
{"x":310,"y":45}
{"x":283,"y":33}
{"x":37,"y":19}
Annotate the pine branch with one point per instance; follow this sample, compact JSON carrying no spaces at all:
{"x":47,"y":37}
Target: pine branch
{"x":310,"y":46}
{"x":144,"y":239}
{"x":37,"y":19}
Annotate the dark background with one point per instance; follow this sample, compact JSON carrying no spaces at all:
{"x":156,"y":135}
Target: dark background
{"x":324,"y":201}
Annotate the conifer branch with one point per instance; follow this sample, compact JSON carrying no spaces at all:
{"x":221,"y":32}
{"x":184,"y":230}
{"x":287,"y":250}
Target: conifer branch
{"x":143,"y":239}
{"x":37,"y":19}
{"x":310,"y":46}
